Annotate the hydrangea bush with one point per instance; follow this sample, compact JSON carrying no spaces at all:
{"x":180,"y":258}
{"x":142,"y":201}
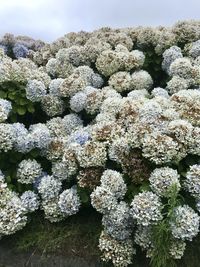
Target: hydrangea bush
{"x":108,"y":119}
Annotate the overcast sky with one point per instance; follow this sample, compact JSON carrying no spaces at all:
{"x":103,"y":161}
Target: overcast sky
{"x":50,"y":19}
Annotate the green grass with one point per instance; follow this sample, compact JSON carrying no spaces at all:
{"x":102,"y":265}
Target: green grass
{"x":78,"y":236}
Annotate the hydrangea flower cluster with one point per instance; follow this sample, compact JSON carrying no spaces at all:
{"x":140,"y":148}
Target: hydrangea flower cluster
{"x":28,"y":171}
{"x":119,"y":252}
{"x":30,"y":201}
{"x":163,"y":180}
{"x":192,"y":181}
{"x":69,"y":202}
{"x":12,"y":211}
{"x":185,"y":224}
{"x":146,"y":208}
{"x":5,"y":108}
{"x":19,"y":46}
{"x":105,"y":197}
{"x":116,"y":121}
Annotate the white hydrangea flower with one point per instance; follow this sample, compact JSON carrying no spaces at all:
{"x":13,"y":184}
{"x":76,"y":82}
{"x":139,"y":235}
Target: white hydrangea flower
{"x":6,"y":137}
{"x":119,"y":252}
{"x":150,"y":112}
{"x":72,"y":122}
{"x":51,"y":210}
{"x":5,"y":108}
{"x":118,"y":222}
{"x":52,"y":105}
{"x":182,"y":131}
{"x":113,"y":181}
{"x":192,"y":182}
{"x":93,"y":99}
{"x":103,"y":200}
{"x":181,"y":67}
{"x":109,"y":61}
{"x":159,"y":92}
{"x":62,"y":171}
{"x":177,"y":84}
{"x":169,"y":56}
{"x":56,"y":128}
{"x":96,"y":80}
{"x":69,"y":202}
{"x":121,"y":81}
{"x":146,"y":208}
{"x":187,"y":103}
{"x":194,"y":50}
{"x":139,"y":55}
{"x":22,"y":140}
{"x":138,"y":94}
{"x":49,"y":188}
{"x":59,"y":67}
{"x":78,"y":102}
{"x":194,"y":146}
{"x":160,"y":148}
{"x":28,"y":170}
{"x":143,"y":237}
{"x":30,"y":201}
{"x":40,"y":135}
{"x":54,"y":86}
{"x":185,"y":223}
{"x":117,"y":148}
{"x":163,"y":180}
{"x":141,"y":80}
{"x":80,"y":78}
{"x":177,"y":249}
{"x":12,"y":212}
{"x":92,"y":154}
{"x":111,"y":105}
{"x":35,"y":90}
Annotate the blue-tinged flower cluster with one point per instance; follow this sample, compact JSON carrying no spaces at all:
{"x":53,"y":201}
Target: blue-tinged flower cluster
{"x":5,"y":108}
{"x":185,"y":224}
{"x":30,"y":201}
{"x":20,"y":50}
{"x":35,"y":90}
{"x":69,"y":202}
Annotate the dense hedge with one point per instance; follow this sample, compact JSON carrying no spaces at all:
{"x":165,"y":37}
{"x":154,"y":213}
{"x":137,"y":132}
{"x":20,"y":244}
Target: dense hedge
{"x":108,"y":119}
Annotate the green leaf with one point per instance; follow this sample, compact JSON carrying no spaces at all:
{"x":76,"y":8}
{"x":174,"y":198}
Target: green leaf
{"x":11,"y":96}
{"x":3,"y":94}
{"x":23,"y":101}
{"x":20,"y":188}
{"x":14,"y":108}
{"x":21,"y":110}
{"x":183,"y":174}
{"x":144,"y":187}
{"x":8,"y":179}
{"x":31,"y":108}
{"x":83,"y":196}
{"x":13,"y":117}
{"x":11,"y":187}
{"x":34,"y":153}
{"x":158,"y":60}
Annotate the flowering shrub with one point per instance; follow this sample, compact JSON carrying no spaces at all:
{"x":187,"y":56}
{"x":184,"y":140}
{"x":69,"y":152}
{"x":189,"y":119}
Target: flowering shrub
{"x":108,"y":119}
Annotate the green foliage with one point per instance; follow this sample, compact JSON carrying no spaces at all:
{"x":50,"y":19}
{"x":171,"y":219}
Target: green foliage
{"x":161,"y":234}
{"x":77,"y":236}
{"x":9,"y":162}
{"x":153,"y":65}
{"x":23,"y":110}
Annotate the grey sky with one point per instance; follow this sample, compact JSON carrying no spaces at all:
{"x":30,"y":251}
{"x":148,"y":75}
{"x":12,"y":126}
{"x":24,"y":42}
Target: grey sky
{"x":50,"y":19}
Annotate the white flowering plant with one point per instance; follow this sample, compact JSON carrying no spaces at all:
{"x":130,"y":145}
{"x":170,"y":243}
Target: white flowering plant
{"x":107,"y":120}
